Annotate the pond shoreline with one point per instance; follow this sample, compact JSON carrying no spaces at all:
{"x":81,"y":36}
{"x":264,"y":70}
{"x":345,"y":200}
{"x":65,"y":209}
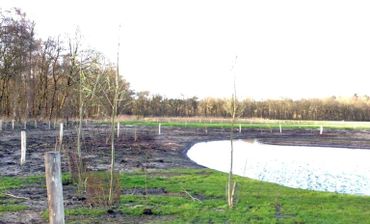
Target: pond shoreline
{"x":328,"y":169}
{"x":168,"y":150}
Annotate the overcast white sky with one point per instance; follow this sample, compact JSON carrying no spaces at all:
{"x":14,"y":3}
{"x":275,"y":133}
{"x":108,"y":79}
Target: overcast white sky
{"x":285,"y":48}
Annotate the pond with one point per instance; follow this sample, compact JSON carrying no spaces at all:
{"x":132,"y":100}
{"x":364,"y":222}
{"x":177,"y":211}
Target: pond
{"x":315,"y":168}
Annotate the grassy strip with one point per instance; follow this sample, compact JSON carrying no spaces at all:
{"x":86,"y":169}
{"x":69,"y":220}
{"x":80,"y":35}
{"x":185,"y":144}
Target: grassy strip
{"x":199,"y":196}
{"x":12,"y":208}
{"x":257,"y":125}
{"x":257,"y":202}
{"x":13,"y":182}
{"x":84,"y":211}
{"x":7,"y":183}
{"x":9,"y":204}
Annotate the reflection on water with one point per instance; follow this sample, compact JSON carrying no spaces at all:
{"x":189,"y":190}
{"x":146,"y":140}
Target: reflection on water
{"x":316,"y":168}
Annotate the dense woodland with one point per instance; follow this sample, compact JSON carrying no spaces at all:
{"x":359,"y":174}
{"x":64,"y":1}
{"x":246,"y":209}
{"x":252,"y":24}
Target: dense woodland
{"x":51,"y":78}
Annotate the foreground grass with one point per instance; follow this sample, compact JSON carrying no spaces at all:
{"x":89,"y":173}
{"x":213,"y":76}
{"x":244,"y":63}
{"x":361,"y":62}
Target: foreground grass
{"x":10,"y":183}
{"x":199,"y":196}
{"x":252,"y":124}
{"x":256,"y":202}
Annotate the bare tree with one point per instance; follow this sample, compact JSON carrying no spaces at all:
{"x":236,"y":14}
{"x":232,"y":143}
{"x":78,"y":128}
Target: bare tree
{"x":231,"y":183}
{"x":113,"y":117}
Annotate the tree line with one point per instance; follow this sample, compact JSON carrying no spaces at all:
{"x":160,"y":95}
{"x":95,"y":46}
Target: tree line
{"x":355,"y":108}
{"x":44,"y":79}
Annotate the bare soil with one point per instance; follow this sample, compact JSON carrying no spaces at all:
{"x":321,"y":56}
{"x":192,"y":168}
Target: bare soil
{"x":149,"y":150}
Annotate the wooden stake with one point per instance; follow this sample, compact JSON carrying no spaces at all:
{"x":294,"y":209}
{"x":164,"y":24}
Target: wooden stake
{"x":159,"y":129}
{"x":118,"y":126}
{"x":240,"y":128}
{"x":25,"y":125}
{"x":135,"y":134}
{"x":61,"y":134}
{"x":321,"y":129}
{"x":1,"y":125}
{"x":49,"y":125}
{"x":281,"y":130}
{"x":12,"y":124}
{"x":23,"y":147}
{"x":54,"y":187}
{"x":35,"y":123}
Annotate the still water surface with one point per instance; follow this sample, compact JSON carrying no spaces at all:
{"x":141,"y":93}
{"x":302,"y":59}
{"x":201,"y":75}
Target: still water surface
{"x":315,"y":168}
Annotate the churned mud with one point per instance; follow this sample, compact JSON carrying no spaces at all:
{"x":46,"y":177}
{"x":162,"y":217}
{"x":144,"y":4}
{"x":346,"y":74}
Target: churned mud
{"x":136,"y":148}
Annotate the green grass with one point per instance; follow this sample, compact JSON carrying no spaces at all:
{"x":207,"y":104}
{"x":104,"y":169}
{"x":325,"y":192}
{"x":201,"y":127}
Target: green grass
{"x":12,"y":182}
{"x":7,"y":183}
{"x":12,"y":207}
{"x":169,"y":200}
{"x":10,"y":204}
{"x":256,"y":202}
{"x":84,"y":211}
{"x":255,"y":124}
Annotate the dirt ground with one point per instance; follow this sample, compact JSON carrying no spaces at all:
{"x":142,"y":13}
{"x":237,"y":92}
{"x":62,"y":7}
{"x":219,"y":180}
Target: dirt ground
{"x":149,"y":150}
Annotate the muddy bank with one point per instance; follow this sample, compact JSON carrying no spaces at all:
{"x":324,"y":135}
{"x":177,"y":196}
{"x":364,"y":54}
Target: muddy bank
{"x":136,"y":148}
{"x":143,"y":147}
